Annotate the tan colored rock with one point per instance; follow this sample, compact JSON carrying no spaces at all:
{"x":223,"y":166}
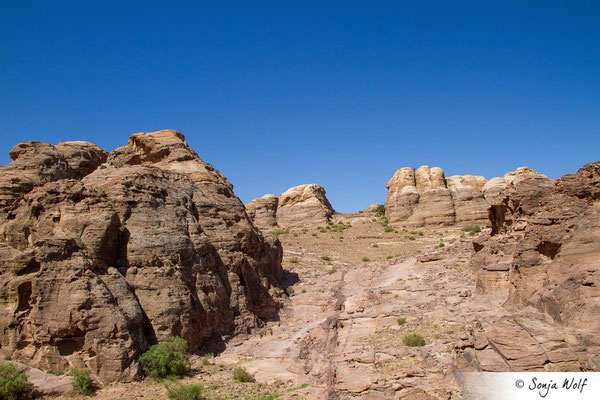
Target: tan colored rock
{"x":155,"y":244}
{"x":435,"y":207}
{"x":371,"y":208}
{"x":263,"y":212}
{"x":546,"y":232}
{"x":303,"y":206}
{"x":44,"y":384}
{"x":493,"y":188}
{"x":83,"y":157}
{"x":456,"y":182}
{"x":429,"y":178}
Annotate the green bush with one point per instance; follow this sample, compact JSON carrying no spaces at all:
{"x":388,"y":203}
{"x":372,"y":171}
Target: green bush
{"x":330,"y":223}
{"x":289,"y":291}
{"x":380,"y":209}
{"x":376,"y":245}
{"x":332,"y":270}
{"x":401,"y":320}
{"x":325,"y":258}
{"x":13,"y":384}
{"x":294,"y":260}
{"x":241,"y":375}
{"x":366,"y":259}
{"x":389,"y":257}
{"x":441,"y":244}
{"x":82,"y":383}
{"x":472,"y":229}
{"x":167,"y":358}
{"x":413,"y":340}
{"x":186,"y":392}
{"x":279,"y":231}
{"x":389,"y":229}
{"x":412,"y":238}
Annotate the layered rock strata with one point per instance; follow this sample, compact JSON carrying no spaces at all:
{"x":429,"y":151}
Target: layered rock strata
{"x":101,"y":259}
{"x":426,"y":197}
{"x":541,"y":259}
{"x":298,"y":207}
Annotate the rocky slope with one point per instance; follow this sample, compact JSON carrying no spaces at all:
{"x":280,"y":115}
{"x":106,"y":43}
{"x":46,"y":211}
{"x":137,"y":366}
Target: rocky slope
{"x":99,"y":260}
{"x":541,"y":259}
{"x":297,"y":207}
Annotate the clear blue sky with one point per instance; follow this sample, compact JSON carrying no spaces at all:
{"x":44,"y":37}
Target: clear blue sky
{"x":277,"y":94}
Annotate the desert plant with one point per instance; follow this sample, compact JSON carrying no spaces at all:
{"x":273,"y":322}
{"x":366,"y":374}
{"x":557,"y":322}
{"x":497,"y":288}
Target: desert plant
{"x":241,"y":375}
{"x":389,"y":257}
{"x":13,"y":384}
{"x":279,"y":231}
{"x":82,"y":383}
{"x":376,"y":245}
{"x":332,"y":270}
{"x":380,"y":209}
{"x":294,"y":260}
{"x":289,"y":291}
{"x":167,"y":358}
{"x":389,"y":229}
{"x":412,"y":238}
{"x":366,"y":259}
{"x":413,"y":340}
{"x":325,"y":258}
{"x":185,"y":392}
{"x":441,"y":244}
{"x":329,"y":223}
{"x":206,"y":358}
{"x":401,"y":320}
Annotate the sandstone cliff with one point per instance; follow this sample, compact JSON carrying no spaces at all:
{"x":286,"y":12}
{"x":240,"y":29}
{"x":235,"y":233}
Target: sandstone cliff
{"x":99,"y":260}
{"x":427,"y":197}
{"x":541,"y":260}
{"x":298,"y":207}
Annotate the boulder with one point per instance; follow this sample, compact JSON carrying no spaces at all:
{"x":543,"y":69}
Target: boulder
{"x":263,"y":212}
{"x":371,"y":208}
{"x":303,"y":206}
{"x":150,"y":245}
{"x":429,"y":178}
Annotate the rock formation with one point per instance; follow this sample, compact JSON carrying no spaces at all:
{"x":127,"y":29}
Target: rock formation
{"x":101,"y":259}
{"x":541,"y":258}
{"x":426,"y":197}
{"x":263,"y":211}
{"x":298,"y":207}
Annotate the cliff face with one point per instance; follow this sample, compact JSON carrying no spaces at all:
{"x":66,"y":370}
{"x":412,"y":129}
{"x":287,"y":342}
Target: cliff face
{"x":298,"y":207}
{"x":100,"y":259}
{"x":541,"y":260}
{"x":425,"y":197}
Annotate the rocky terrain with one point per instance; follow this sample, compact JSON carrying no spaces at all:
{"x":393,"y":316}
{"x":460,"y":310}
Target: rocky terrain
{"x":297,"y":207}
{"x":103,"y":254}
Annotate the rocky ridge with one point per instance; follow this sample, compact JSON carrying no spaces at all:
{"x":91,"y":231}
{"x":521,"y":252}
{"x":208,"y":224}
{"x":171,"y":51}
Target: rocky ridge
{"x":101,"y":259}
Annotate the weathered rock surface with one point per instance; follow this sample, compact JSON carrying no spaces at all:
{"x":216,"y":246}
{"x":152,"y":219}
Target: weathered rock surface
{"x":263,"y":211}
{"x":303,"y":206}
{"x":44,"y":384}
{"x":426,"y":197}
{"x":371,"y":208}
{"x":543,"y":253}
{"x":100,"y":260}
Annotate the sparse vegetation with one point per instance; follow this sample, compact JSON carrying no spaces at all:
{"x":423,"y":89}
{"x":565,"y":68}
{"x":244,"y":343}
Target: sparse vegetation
{"x":13,"y":384}
{"x":289,"y":291}
{"x":376,"y":245}
{"x":440,"y":245}
{"x":241,"y":375}
{"x":332,"y":270}
{"x":380,"y":209}
{"x":303,"y":290}
{"x":366,"y":259}
{"x":401,"y":320}
{"x":326,"y":258}
{"x":389,"y":257}
{"x":472,"y":229}
{"x":206,"y":358}
{"x":413,"y":340}
{"x":167,"y":358}
{"x":279,"y":231}
{"x":412,"y":238}
{"x":294,"y":260}
{"x":82,"y":383}
{"x":186,"y":392}
{"x":389,"y":229}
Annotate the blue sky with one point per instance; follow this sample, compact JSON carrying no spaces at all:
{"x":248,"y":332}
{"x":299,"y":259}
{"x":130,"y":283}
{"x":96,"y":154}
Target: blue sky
{"x":277,"y":94}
